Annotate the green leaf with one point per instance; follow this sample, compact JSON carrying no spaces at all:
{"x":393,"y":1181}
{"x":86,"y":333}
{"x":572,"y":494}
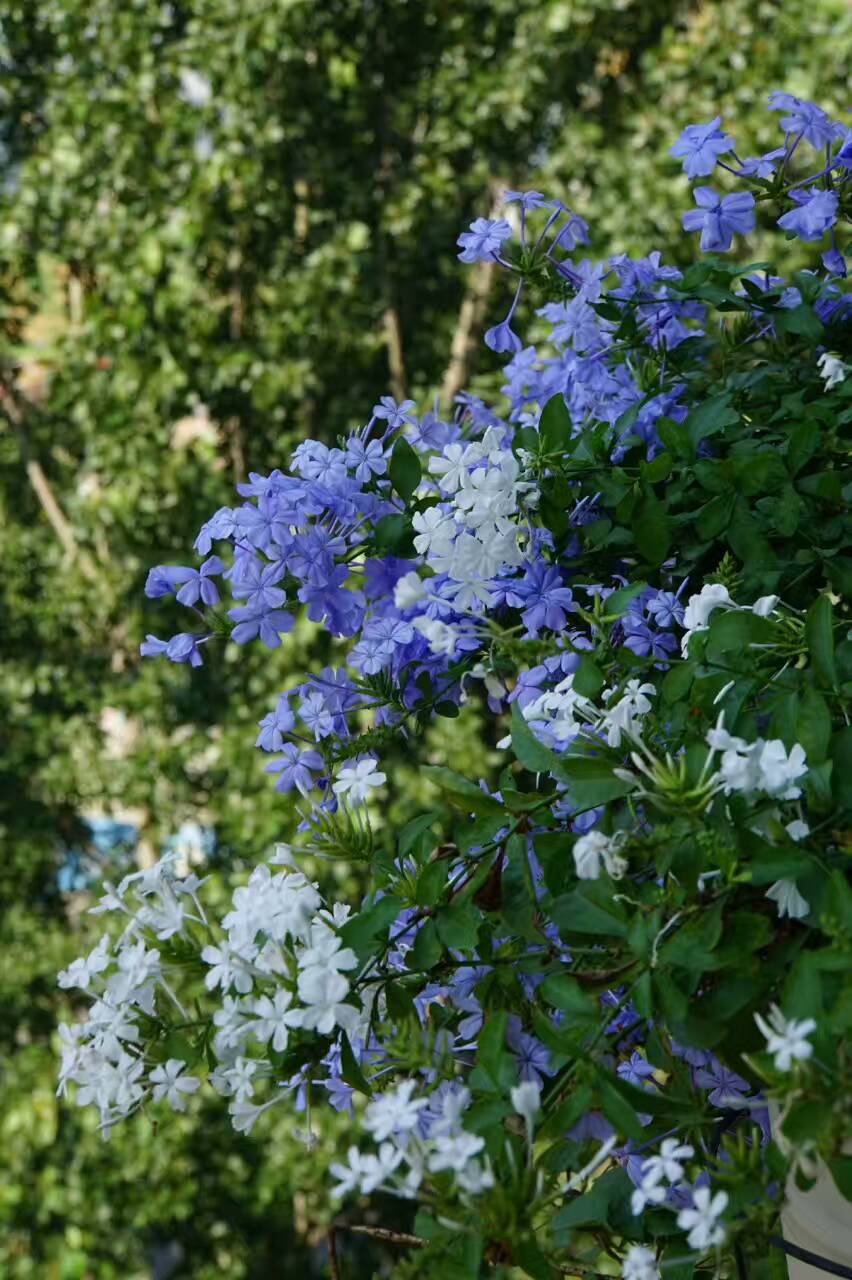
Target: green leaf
{"x":462,"y":791}
{"x":588,"y":678}
{"x":427,"y":949}
{"x":710,"y":418}
{"x":392,"y":534}
{"x":590,"y":779}
{"x":813,"y":725}
{"x":531,"y":753}
{"x":734,"y":631}
{"x":555,"y":426}
{"x":651,"y":527}
{"x":801,"y":320}
{"x":819,"y":634}
{"x":841,"y":774}
{"x":413,"y":830}
{"x":565,"y":993}
{"x":404,"y":469}
{"x":458,"y":926}
{"x":401,"y":1006}
{"x":359,"y":932}
{"x":600,"y":1204}
{"x":619,"y":602}
{"x":491,"y":1050}
{"x":350,"y":1070}
{"x":577,"y":913}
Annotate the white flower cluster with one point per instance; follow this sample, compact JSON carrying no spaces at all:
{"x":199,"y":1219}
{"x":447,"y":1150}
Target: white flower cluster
{"x":105,"y":1055}
{"x":713,"y":596}
{"x":474,"y":535}
{"x":415,"y":1137}
{"x":280,"y":966}
{"x":747,"y":767}
{"x":662,"y":1173}
{"x":560,"y":714}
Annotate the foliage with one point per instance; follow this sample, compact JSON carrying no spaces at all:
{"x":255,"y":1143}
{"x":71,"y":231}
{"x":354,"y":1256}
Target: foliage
{"x":567,"y":997}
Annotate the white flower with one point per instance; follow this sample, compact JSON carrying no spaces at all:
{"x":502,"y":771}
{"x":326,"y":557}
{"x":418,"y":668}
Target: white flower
{"x":764,"y":606}
{"x":639,"y":1264}
{"x":595,"y":848}
{"x":171,"y":1084}
{"x":348,"y":1175}
{"x":394,"y":1112}
{"x":699,"y":607}
{"x":80,"y":972}
{"x":244,"y":1115}
{"x":788,"y":899}
{"x":475,"y":1177}
{"x":238,"y":1079}
{"x":778,"y":771}
{"x":526,"y":1099}
{"x":268,"y":1021}
{"x":786,"y":1040}
{"x":434,"y":532}
{"x":453,"y":465}
{"x":701,"y":1221}
{"x":797,"y":829}
{"x":323,"y":991}
{"x":442,"y":637}
{"x":195,"y":88}
{"x":356,"y":781}
{"x":832,"y":369}
{"x":651,"y":1190}
{"x":409,"y":591}
{"x":226,"y":969}
{"x":667,"y":1164}
{"x":623,"y":716}
{"x":455,"y":1152}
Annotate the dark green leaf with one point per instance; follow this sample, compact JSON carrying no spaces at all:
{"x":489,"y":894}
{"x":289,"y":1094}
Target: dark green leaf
{"x":404,"y":469}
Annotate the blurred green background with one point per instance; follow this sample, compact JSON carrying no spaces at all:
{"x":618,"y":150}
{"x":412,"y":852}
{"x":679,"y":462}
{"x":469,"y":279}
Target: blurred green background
{"x":225,"y":226}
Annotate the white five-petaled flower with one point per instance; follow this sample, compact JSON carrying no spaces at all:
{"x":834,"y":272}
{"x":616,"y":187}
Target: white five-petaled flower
{"x":832,"y":369}
{"x":526,"y":1099}
{"x":170,"y":1083}
{"x":639,"y":1264}
{"x":667,"y":1163}
{"x":594,"y":848}
{"x":356,"y":781}
{"x":788,"y":900}
{"x":394,"y":1112}
{"x":787,"y":1040}
{"x":455,"y":1152}
{"x":701,"y":1221}
{"x":651,"y":1190}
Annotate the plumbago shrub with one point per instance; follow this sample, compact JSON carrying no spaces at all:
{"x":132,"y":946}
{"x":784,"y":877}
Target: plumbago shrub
{"x":562,"y":1009}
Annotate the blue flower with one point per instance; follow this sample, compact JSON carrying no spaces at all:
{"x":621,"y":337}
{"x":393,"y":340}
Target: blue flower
{"x":834,"y":263}
{"x":295,"y":769}
{"x":526,"y":199}
{"x":719,"y":219}
{"x":164,"y":579}
{"x":274,"y":725}
{"x":532,"y":1057}
{"x":699,"y":146}
{"x":805,"y":118}
{"x":396,"y":415}
{"x":256,"y":585}
{"x":483,"y":241}
{"x":180,"y":648}
{"x":502,"y":337}
{"x":761,"y":166}
{"x":366,"y":458}
{"x":636,"y":1069}
{"x":544,"y":597}
{"x":815,"y":213}
{"x":254,"y":621}
{"x":199,"y":585}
